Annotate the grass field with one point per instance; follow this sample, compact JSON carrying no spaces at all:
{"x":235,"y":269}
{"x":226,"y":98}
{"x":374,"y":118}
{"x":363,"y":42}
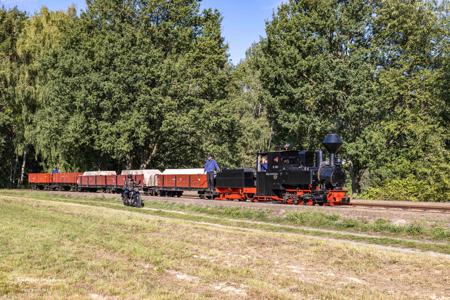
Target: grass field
{"x":68,"y":247}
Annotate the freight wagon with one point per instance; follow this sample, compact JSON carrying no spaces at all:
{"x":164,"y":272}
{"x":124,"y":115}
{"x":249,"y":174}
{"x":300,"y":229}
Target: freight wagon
{"x":106,"y":181}
{"x":150,"y":177}
{"x":58,"y":181}
{"x":173,"y":182}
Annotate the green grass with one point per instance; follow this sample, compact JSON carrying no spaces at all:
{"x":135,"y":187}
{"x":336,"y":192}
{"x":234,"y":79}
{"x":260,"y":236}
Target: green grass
{"x":414,"y":236}
{"x":65,"y":247}
{"x":302,"y":218}
{"x":314,"y":219}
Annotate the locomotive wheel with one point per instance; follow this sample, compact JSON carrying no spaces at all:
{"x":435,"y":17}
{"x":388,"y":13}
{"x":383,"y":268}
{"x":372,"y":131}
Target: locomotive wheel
{"x":249,"y":197}
{"x":307,"y":200}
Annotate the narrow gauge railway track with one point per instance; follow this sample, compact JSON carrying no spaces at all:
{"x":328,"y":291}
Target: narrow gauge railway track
{"x":404,"y":206}
{"x":361,"y":204}
{"x":389,"y":205}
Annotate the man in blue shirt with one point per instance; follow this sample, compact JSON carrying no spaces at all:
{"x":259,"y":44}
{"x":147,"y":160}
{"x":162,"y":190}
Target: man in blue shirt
{"x":263,"y":164}
{"x":210,"y":166}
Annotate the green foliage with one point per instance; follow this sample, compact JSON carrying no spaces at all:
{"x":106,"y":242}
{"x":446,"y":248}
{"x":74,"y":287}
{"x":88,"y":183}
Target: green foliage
{"x":247,"y":105}
{"x":11,"y":24}
{"x":153,"y":77}
{"x":372,"y":71}
{"x":148,"y":84}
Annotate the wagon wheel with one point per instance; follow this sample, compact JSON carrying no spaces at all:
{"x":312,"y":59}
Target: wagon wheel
{"x":306,"y":199}
{"x":250,"y":197}
{"x":295,"y":199}
{"x":286,"y":198}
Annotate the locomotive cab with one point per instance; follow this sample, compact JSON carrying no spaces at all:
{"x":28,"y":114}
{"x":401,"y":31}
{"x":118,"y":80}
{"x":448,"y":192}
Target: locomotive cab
{"x":285,"y":170}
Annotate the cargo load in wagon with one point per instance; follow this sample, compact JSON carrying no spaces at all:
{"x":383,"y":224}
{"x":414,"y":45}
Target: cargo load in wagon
{"x":93,"y":173}
{"x":149,"y":176}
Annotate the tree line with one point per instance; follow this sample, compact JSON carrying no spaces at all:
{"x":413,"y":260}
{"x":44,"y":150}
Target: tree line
{"x":148,"y":84}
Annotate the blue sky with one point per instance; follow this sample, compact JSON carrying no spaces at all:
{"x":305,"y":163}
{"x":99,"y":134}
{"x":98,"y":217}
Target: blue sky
{"x":243,"y":23}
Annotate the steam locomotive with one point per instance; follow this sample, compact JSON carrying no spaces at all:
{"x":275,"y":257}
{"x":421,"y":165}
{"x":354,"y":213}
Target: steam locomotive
{"x":290,"y":177}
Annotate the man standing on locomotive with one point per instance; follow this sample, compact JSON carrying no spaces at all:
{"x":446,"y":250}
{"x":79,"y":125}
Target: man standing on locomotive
{"x":211,"y":166}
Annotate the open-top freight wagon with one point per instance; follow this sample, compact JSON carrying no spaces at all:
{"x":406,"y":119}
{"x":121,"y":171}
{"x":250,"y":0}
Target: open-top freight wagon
{"x":107,"y":181}
{"x":173,"y":182}
{"x":57,"y":181}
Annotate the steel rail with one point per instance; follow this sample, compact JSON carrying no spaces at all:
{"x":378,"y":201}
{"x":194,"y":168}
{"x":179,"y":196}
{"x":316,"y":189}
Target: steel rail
{"x":433,"y":208}
{"x":404,"y":206}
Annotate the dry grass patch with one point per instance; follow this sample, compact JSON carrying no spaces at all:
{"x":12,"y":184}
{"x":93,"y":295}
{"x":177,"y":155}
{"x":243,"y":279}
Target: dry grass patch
{"x":69,"y":250}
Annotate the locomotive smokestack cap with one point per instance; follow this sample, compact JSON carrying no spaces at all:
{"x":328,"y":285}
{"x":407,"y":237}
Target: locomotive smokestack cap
{"x":332,"y":142}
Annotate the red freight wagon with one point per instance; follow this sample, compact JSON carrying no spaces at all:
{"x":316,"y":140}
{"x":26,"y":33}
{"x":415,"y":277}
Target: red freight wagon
{"x":138,"y":180}
{"x":111,"y":180}
{"x":199,"y":181}
{"x":183,"y":181}
{"x":40,"y":178}
{"x":57,"y":181}
{"x":173,"y":182}
{"x":121,"y":180}
{"x":65,"y":178}
{"x":100,"y":180}
{"x":168,"y":181}
{"x":106,"y":181}
{"x":82,"y":180}
{"x":92,"y":181}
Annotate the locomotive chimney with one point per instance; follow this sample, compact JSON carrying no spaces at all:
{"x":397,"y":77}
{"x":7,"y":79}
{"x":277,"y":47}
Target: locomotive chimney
{"x":332,"y":142}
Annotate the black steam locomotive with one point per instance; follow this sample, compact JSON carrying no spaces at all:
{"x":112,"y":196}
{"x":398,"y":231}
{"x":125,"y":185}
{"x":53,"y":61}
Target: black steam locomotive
{"x":290,"y":177}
